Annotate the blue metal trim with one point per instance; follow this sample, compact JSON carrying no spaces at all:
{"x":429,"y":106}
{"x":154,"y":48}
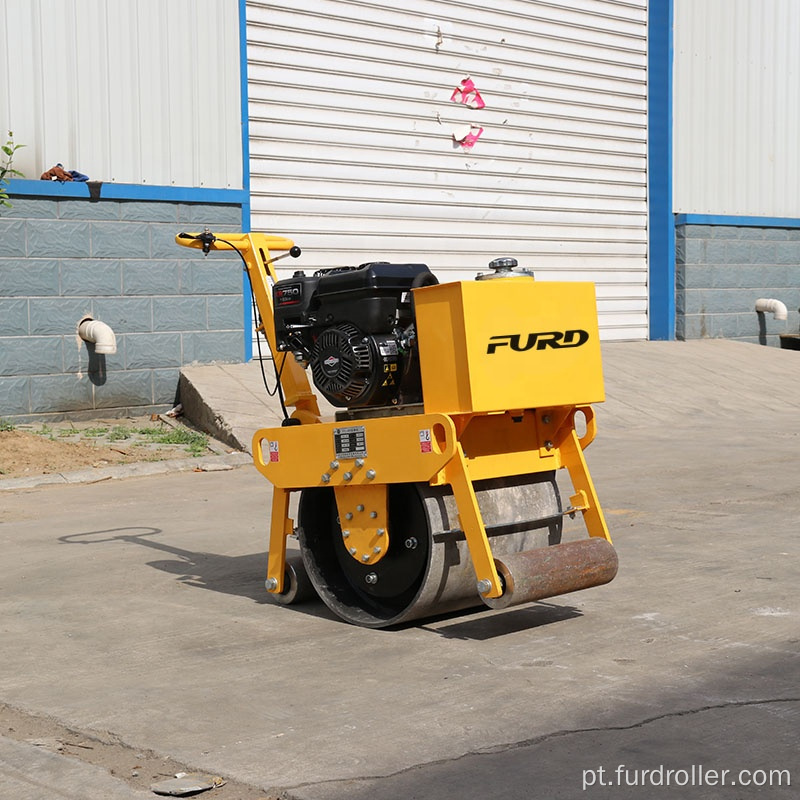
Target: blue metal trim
{"x":246,"y":221}
{"x":737,"y":222}
{"x":128,"y":191}
{"x":661,"y":220}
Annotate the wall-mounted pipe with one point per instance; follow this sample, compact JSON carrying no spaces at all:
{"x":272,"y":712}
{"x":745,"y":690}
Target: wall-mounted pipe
{"x":771,"y":306}
{"x":99,"y":334}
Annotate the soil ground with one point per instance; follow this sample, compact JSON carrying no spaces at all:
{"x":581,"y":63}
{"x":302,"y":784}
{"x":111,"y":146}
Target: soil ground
{"x":43,"y":448}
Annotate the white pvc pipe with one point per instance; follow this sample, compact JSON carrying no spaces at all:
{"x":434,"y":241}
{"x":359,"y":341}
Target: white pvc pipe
{"x":99,"y":334}
{"x":774,"y":307}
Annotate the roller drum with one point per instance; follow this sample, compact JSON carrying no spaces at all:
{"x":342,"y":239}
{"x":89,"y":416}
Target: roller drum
{"x":427,"y":569}
{"x":550,"y":571}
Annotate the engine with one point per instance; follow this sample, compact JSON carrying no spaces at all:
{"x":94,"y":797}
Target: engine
{"x":354,"y":327}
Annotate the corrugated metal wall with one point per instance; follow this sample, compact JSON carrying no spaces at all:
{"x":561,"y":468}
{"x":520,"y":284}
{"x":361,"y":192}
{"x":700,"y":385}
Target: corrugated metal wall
{"x":140,"y":91}
{"x":737,"y":107}
{"x":352,"y":152}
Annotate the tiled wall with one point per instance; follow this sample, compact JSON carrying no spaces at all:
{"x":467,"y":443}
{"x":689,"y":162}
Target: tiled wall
{"x":722,"y":270}
{"x":117,"y":261}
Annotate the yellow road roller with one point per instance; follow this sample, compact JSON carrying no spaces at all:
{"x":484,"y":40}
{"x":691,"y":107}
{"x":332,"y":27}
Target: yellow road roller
{"x":433,"y":488}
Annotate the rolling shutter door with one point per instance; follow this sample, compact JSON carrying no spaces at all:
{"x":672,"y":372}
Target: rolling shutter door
{"x":353,"y":154}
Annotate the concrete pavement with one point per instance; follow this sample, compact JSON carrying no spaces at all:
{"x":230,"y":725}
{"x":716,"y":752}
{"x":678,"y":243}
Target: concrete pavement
{"x":137,"y":607}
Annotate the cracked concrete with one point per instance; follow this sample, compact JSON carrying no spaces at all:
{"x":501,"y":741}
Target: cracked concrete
{"x":136,"y":607}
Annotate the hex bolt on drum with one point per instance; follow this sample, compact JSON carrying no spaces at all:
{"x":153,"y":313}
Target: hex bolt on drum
{"x":434,"y":487}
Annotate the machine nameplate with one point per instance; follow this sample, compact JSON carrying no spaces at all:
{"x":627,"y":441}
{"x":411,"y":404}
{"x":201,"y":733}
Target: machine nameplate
{"x":350,"y":442}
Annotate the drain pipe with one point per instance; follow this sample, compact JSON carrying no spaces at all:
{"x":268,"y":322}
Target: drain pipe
{"x":99,"y":334}
{"x":774,"y":307}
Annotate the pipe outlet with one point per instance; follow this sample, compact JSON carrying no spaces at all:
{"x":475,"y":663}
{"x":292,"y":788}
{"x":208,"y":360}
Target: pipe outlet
{"x":774,"y":307}
{"x":99,"y":334}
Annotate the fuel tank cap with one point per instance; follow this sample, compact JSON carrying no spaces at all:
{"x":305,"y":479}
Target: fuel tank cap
{"x":505,"y":267}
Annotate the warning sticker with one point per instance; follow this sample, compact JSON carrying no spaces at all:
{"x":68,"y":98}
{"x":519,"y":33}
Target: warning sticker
{"x":425,"y":445}
{"x":274,"y":452}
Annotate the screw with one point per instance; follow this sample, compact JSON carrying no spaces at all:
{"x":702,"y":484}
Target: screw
{"x":548,"y":445}
{"x":484,"y":586}
{"x":351,"y":550}
{"x":345,"y":534}
{"x":371,"y":578}
{"x":373,"y":514}
{"x":334,"y":465}
{"x":381,"y":531}
{"x":546,"y":419}
{"x":371,"y":473}
{"x":348,"y":476}
{"x":359,"y":507}
{"x":271,"y":584}
{"x":376,"y":550}
{"x":326,"y":478}
{"x":365,"y":557}
{"x":359,"y":462}
{"x":411,"y":543}
{"x":348,"y":515}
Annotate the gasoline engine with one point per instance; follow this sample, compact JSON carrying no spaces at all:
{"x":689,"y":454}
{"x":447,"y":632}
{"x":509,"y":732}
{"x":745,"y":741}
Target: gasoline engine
{"x":435,"y":486}
{"x":354,"y":326}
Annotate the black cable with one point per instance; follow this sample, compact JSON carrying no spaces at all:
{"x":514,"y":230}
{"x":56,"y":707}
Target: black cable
{"x":278,"y":388}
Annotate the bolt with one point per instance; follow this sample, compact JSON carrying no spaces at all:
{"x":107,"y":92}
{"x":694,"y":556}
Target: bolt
{"x":298,"y":357}
{"x":359,"y":507}
{"x":351,"y":550}
{"x":348,"y":515}
{"x":484,"y":586}
{"x":548,"y":445}
{"x":381,"y":531}
{"x":371,"y":578}
{"x":348,"y":476}
{"x":334,"y":465}
{"x":411,"y":543}
{"x":365,"y":557}
{"x":376,"y":550}
{"x":371,"y":473}
{"x":271,"y":584}
{"x":546,"y":419}
{"x":326,"y":478}
{"x":345,"y":534}
{"x":373,"y":514}
{"x":359,"y":462}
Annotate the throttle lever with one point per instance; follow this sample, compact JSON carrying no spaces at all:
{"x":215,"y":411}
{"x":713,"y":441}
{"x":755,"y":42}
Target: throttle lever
{"x":294,"y":252}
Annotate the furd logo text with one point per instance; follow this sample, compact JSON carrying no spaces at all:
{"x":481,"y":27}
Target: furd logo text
{"x":520,"y":342}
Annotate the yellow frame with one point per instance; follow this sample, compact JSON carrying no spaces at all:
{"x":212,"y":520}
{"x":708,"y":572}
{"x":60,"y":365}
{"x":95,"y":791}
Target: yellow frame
{"x":456,"y":443}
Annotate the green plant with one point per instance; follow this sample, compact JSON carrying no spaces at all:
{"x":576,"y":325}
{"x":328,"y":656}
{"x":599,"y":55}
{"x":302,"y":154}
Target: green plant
{"x":196,"y":443}
{"x":118,"y":433}
{"x":6,"y":169}
{"x":5,"y":425}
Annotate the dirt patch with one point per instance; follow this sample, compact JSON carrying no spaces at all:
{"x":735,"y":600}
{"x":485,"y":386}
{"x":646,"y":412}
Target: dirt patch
{"x":138,"y":768}
{"x":46,"y":448}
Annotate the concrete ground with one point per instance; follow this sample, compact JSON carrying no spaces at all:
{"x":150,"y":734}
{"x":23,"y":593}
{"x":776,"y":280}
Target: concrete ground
{"x":135,"y":609}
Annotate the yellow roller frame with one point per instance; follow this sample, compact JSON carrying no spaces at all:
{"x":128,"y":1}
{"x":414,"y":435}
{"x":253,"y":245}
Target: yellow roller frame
{"x":466,"y":433}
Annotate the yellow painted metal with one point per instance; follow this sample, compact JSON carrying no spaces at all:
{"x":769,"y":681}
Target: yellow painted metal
{"x":397,"y":450}
{"x":506,"y":364}
{"x":508,"y":343}
{"x":255,"y":250}
{"x":281,"y":526}
{"x":469,"y":515}
{"x":364,"y":519}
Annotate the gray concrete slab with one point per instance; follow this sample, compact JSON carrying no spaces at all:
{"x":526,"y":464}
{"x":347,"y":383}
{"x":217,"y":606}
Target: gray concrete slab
{"x":29,"y":772}
{"x":137,"y":607}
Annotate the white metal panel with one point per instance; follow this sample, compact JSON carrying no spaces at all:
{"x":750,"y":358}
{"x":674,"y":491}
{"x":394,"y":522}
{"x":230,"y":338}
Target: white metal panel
{"x":737,"y":107}
{"x":352,"y":152}
{"x":135,"y":91}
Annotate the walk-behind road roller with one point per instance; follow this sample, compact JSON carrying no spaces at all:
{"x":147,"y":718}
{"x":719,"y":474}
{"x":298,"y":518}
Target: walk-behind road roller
{"x":434,"y":488}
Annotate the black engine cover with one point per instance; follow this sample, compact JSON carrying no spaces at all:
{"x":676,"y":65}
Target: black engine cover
{"x":352,"y":326}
